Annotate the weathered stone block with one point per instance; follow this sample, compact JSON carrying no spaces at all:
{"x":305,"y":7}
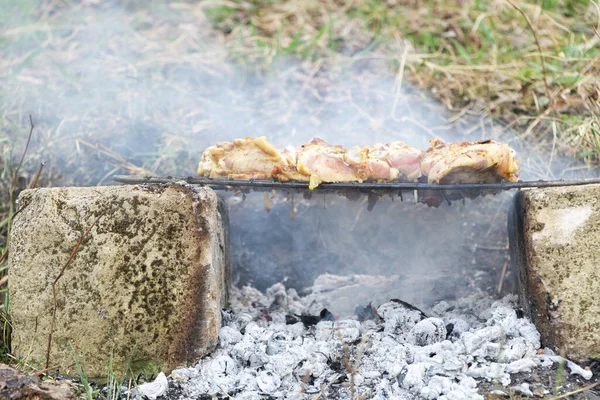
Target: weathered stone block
{"x":554,"y":239}
{"x":148,"y":281}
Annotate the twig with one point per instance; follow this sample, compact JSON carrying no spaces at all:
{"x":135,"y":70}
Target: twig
{"x":61,"y":273}
{"x":583,"y":389}
{"x":596,"y":31}
{"x":4,"y":280}
{"x":24,"y":151}
{"x":14,"y":178}
{"x":324,"y":389}
{"x":43,"y":371}
{"x":399,"y":79}
{"x":129,"y":388}
{"x":225,"y":392}
{"x":537,"y":43}
{"x":37,"y":176}
{"x":504,"y":268}
{"x":18,"y":211}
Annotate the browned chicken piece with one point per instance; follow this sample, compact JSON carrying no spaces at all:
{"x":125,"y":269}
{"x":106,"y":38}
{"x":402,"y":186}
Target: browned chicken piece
{"x":368,"y":168}
{"x":320,"y":162}
{"x":289,"y":171}
{"x":399,"y":156}
{"x":249,"y":158}
{"x":323,"y":162}
{"x":469,"y":162}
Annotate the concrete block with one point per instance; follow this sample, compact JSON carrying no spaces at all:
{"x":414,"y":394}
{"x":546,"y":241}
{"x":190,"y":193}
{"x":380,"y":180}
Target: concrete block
{"x":554,"y":238}
{"x":148,"y":282}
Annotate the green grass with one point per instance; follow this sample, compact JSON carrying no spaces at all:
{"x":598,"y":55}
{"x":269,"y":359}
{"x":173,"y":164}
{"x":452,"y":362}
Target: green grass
{"x":80,"y":365}
{"x":115,"y":382}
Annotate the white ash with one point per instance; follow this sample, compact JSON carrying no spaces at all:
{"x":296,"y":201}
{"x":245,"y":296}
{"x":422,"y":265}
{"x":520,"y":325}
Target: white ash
{"x":523,"y":389}
{"x":152,"y":390}
{"x":401,"y":353}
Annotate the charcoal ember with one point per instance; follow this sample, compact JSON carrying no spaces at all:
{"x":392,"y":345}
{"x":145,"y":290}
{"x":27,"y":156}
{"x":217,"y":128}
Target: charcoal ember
{"x":385,"y":355}
{"x":398,"y":318}
{"x":441,"y":307}
{"x":348,"y":331}
{"x":258,"y":358}
{"x":247,"y":382}
{"x":372,"y":375}
{"x":276,"y":344}
{"x":474,"y":340}
{"x":368,"y":326}
{"x":522,"y":365}
{"x":268,"y":382}
{"x":224,"y":366}
{"x":438,"y":385}
{"x":308,"y":320}
{"x":449,"y":330}
{"x":459,"y":326}
{"x":253,"y":331}
{"x":366,"y":313}
{"x":515,"y":349}
{"x":296,"y":330}
{"x":184,"y":374}
{"x":427,"y":331}
{"x":491,"y":372}
{"x":315,"y":365}
{"x":409,"y":306}
{"x":229,"y":336}
{"x":242,"y":351}
{"x":523,"y":389}
{"x":506,"y":317}
{"x":414,"y":376}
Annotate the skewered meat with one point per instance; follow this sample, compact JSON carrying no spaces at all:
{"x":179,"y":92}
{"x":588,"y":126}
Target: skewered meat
{"x":318,"y":161}
{"x":469,"y":162}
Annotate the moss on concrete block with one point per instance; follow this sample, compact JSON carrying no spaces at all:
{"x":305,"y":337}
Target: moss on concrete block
{"x":554,"y":238}
{"x":150,"y":278}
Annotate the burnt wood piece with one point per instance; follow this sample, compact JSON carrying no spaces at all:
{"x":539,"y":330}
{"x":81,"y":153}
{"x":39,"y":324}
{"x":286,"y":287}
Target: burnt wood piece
{"x":16,"y":385}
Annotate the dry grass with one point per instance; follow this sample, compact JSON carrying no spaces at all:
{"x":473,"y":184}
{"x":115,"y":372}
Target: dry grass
{"x":475,"y":56}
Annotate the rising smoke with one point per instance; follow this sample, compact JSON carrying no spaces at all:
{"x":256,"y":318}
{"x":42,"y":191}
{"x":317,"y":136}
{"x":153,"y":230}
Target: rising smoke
{"x":146,"y":88}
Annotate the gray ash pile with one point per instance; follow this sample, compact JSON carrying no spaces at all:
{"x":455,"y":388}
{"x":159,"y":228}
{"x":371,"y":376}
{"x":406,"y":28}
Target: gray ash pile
{"x":280,"y":345}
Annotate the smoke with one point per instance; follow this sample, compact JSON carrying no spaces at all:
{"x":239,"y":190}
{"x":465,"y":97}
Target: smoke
{"x":132,"y":88}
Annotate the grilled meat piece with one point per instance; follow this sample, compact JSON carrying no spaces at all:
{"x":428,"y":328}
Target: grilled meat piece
{"x":249,"y":158}
{"x":469,"y":162}
{"x":400,"y":156}
{"x":323,"y":162}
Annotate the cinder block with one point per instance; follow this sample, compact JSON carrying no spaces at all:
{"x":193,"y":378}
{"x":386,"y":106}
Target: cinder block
{"x":148,"y":282}
{"x":554,"y":238}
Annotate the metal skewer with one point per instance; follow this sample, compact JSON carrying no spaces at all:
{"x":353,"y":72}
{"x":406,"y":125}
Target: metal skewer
{"x":229,"y":184}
